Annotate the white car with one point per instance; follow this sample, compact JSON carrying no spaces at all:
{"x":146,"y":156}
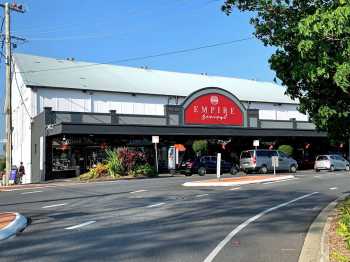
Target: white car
{"x":331,"y":163}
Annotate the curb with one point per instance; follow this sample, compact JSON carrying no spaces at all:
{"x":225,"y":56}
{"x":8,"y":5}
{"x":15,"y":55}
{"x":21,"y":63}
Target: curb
{"x":316,"y":246}
{"x":223,"y":183}
{"x":17,"y":225}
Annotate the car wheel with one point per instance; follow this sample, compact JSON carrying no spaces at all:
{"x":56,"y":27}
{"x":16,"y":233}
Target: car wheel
{"x":332,"y":168}
{"x":202,"y":171}
{"x":317,"y":170}
{"x":263,"y":170}
{"x":233,"y":170}
{"x":293,"y":169}
{"x":347,"y":168}
{"x":188,"y":174}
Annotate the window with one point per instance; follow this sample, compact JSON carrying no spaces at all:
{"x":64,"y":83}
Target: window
{"x":246,"y":154}
{"x":321,"y":158}
{"x":283,"y":154}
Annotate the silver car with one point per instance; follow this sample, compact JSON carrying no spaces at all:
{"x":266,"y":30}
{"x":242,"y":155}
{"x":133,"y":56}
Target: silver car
{"x":331,"y":163}
{"x":260,"y":160}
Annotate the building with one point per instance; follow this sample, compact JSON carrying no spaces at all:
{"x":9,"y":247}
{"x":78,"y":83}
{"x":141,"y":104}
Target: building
{"x":66,"y":112}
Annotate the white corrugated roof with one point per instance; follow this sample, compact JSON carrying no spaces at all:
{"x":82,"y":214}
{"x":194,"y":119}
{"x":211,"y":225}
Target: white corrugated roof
{"x":50,"y":72}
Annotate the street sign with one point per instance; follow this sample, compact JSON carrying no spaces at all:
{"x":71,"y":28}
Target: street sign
{"x":155,"y":139}
{"x":218,"y":165}
{"x":256,"y":143}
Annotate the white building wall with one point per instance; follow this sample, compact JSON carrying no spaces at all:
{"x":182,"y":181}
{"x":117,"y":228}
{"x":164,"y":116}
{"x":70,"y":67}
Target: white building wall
{"x":270,"y":111}
{"x":22,"y":111}
{"x":100,"y":102}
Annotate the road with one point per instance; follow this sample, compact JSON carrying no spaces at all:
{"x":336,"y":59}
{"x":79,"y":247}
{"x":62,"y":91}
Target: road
{"x":160,"y":220}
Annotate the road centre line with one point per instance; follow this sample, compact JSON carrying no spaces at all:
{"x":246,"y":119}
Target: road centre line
{"x":56,"y":205}
{"x":333,"y":188}
{"x":138,"y":191}
{"x":156,"y":205}
{"x":80,"y":225}
{"x":31,"y":192}
{"x":235,"y":188}
{"x":202,"y":195}
{"x":235,"y":231}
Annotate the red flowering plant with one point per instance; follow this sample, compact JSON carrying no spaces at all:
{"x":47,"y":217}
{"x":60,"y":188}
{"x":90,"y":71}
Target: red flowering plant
{"x":130,"y":160}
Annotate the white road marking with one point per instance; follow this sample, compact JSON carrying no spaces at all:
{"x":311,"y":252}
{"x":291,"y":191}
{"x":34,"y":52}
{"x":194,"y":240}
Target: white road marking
{"x":24,"y":188}
{"x":80,"y":225}
{"x":279,"y":181}
{"x":31,"y":192}
{"x":235,"y":188}
{"x":138,"y":191}
{"x":235,"y":231}
{"x":202,"y":195}
{"x":156,"y":205}
{"x":333,"y":188}
{"x":56,"y":205}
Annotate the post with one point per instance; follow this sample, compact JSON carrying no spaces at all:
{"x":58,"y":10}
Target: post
{"x":8,"y":79}
{"x":156,"y":149}
{"x":8,"y":94}
{"x":218,"y":166}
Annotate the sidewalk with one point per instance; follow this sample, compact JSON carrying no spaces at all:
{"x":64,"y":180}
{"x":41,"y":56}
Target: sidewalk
{"x":10,"y":224}
{"x":238,"y":181}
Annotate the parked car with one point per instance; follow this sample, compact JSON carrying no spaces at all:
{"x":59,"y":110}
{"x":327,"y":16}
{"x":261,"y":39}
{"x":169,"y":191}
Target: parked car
{"x":206,"y":164}
{"x":331,"y":163}
{"x":260,"y":160}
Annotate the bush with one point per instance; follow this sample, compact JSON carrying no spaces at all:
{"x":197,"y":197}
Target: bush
{"x":287,"y":149}
{"x":200,"y":146}
{"x":129,"y":160}
{"x":98,"y":171}
{"x":2,"y":164}
{"x":113,"y":163}
{"x":145,"y":170}
{"x":343,"y":228}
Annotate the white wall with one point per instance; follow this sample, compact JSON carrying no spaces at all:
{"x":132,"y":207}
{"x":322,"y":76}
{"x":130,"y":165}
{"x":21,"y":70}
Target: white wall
{"x":277,"y":111}
{"x":100,"y":102}
{"x":21,"y":122}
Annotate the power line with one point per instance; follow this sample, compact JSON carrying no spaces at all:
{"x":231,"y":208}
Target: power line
{"x":19,"y":90}
{"x":175,"y":52}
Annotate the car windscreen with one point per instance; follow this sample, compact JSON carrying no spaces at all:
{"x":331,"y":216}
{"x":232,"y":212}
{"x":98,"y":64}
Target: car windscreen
{"x":320,"y":158}
{"x":246,"y":154}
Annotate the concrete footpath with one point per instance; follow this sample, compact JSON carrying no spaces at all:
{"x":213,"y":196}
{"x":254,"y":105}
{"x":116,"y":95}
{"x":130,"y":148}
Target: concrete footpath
{"x":11,"y":223}
{"x":238,"y":181}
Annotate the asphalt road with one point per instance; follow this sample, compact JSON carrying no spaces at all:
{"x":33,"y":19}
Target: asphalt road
{"x":160,"y":220}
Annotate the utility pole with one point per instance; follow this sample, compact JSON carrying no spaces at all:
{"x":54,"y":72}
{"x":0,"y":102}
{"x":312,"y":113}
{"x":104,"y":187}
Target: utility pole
{"x":8,"y":76}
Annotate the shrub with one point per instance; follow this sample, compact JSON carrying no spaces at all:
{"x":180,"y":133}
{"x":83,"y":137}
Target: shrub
{"x":129,"y":160}
{"x":2,"y":164}
{"x":113,"y":163}
{"x":98,"y":171}
{"x":343,"y":228}
{"x":287,"y":149}
{"x":200,"y":146}
{"x":145,"y":170}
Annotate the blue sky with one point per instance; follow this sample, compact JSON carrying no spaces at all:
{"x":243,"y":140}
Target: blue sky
{"x":102,"y":31}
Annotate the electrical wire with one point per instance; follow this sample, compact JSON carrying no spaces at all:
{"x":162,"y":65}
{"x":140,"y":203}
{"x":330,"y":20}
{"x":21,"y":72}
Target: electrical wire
{"x":175,"y":52}
{"x":14,"y":76}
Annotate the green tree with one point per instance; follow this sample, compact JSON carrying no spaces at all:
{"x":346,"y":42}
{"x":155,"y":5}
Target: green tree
{"x":312,"y":57}
{"x":287,"y":149}
{"x":200,"y":146}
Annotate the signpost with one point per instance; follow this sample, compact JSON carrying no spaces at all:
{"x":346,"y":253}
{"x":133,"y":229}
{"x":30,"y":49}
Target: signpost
{"x":155,"y":141}
{"x":274,"y":163}
{"x":256,"y":143}
{"x":218,"y":165}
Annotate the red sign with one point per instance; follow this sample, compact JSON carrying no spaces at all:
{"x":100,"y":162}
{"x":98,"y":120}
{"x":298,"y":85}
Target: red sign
{"x":213,"y":109}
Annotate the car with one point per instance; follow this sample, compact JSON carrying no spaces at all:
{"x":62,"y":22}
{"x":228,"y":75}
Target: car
{"x":260,"y":160}
{"x":331,"y":162}
{"x":206,"y":164}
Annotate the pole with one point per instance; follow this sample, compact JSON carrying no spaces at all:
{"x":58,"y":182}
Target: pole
{"x":8,"y":94}
{"x":155,"y":147}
